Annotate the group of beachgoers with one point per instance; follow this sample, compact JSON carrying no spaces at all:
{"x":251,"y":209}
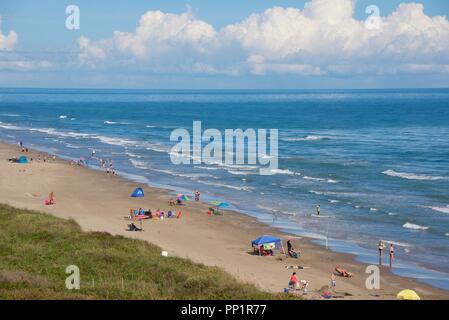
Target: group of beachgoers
{"x":141,"y":214}
{"x":381,"y":247}
{"x":25,"y":150}
{"x":107,"y":166}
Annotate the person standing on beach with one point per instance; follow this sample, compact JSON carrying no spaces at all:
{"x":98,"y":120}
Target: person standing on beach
{"x":391,"y":255}
{"x":381,"y":247}
{"x":333,"y":281}
{"x":293,"y":281}
{"x":318,"y":209}
{"x":197,"y":195}
{"x":93,"y":153}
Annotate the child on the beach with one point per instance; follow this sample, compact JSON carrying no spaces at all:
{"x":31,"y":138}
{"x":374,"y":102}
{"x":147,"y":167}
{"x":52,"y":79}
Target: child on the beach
{"x":333,"y":281}
{"x":293,"y":281}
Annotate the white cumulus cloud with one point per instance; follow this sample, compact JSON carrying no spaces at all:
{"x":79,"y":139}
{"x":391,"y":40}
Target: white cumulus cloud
{"x":9,"y":41}
{"x":322,"y":38}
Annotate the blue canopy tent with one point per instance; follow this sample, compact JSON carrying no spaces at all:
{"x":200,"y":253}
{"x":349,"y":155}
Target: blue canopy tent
{"x":268,"y":242}
{"x":22,"y":160}
{"x":138,"y":193}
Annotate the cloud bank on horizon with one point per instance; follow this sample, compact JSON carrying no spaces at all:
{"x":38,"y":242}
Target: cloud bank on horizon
{"x":322,"y":39}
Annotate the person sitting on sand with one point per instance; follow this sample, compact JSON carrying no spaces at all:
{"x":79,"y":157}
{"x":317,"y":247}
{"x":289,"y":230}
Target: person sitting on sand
{"x":170,"y":214}
{"x":342,"y":272}
{"x":291,"y":251}
{"x":133,"y":227}
{"x":171,"y":202}
{"x":149,"y":213}
{"x":264,"y":252}
{"x":51,"y":199}
{"x":141,"y":212}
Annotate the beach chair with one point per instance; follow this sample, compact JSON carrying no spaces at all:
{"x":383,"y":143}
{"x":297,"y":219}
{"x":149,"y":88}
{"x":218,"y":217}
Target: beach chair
{"x":178,"y":216}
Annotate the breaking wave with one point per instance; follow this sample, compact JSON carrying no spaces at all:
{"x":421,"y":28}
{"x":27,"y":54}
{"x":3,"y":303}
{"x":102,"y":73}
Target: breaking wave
{"x":409,"y":225}
{"x":411,"y":176}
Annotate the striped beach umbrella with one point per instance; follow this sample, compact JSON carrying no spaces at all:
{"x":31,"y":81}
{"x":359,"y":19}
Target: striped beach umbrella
{"x":183,"y":197}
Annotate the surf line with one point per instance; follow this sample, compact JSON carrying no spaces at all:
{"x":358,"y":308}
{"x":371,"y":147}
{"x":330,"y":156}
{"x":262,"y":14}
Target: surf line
{"x":233,"y":144}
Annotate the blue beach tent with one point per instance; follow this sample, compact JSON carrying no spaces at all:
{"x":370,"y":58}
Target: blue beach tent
{"x":138,"y":193}
{"x":22,"y":160}
{"x":266,"y":239}
{"x":268,"y":242}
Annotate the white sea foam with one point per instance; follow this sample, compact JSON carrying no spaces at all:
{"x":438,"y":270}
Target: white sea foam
{"x":206,"y":168}
{"x":409,"y":225}
{"x":10,"y":127}
{"x":320,"y":179}
{"x":285,"y":171}
{"x":412,"y":176}
{"x":132,"y":155}
{"x":447,"y":234}
{"x":392,"y":214}
{"x":333,"y":201}
{"x":440,"y":209}
{"x":113,"y":122}
{"x":240,"y":173}
{"x":373,"y":209}
{"x":308,"y":138}
{"x":62,"y":117}
{"x":399,"y":244}
{"x":11,"y":115}
{"x":116,"y":141}
{"x":225,"y":185}
{"x":139,"y":164}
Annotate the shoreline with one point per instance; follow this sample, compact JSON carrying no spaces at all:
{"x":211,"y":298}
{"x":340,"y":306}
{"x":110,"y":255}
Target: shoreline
{"x":228,"y":237}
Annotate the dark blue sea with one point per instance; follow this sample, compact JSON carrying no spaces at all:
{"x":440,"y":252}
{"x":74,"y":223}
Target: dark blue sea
{"x":376,"y":161}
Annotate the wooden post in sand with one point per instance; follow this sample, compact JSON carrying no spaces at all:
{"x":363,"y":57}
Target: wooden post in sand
{"x":283,"y":250}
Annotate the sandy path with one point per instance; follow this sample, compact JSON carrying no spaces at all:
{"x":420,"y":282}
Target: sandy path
{"x":99,"y":203}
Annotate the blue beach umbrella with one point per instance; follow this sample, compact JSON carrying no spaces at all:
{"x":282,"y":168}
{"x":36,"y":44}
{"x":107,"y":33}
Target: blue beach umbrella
{"x":221,"y":204}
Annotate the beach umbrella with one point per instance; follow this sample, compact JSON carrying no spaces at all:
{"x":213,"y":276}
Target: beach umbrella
{"x":408,"y":294}
{"x":183,"y":197}
{"x":221,"y":204}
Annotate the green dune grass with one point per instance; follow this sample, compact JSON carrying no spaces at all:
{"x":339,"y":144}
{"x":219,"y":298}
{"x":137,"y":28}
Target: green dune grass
{"x":36,"y":248}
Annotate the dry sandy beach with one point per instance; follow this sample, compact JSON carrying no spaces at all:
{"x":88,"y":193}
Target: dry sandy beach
{"x":100,"y":203}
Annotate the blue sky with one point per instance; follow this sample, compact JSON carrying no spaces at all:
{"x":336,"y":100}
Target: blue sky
{"x":274,"y":53}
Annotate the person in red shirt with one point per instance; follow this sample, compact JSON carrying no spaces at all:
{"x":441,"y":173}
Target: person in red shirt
{"x":293,"y":281}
